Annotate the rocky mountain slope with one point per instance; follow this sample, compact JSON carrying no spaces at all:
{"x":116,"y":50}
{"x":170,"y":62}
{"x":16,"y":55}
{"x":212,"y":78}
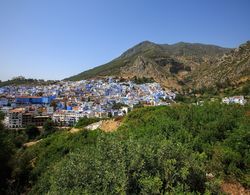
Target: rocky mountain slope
{"x":177,"y":66}
{"x":233,"y":68}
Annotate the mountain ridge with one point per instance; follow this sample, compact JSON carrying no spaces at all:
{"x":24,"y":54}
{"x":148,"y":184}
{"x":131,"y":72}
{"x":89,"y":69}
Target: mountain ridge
{"x":173,"y":65}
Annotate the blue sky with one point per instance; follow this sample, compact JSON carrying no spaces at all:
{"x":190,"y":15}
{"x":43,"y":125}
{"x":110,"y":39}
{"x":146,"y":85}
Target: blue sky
{"x":54,"y":39}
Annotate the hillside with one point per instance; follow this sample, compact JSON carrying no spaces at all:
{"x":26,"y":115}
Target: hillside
{"x":181,"y":149}
{"x":168,"y":64}
{"x":23,"y":81}
{"x":233,"y":68}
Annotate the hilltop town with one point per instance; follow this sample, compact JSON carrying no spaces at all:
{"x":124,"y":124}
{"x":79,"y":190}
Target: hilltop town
{"x":65,"y":102}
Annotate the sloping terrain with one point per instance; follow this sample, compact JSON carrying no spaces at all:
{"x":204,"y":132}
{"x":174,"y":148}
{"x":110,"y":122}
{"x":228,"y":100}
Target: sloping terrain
{"x":232,"y":68}
{"x":170,"y":65}
{"x":23,"y":81}
{"x":180,"y":149}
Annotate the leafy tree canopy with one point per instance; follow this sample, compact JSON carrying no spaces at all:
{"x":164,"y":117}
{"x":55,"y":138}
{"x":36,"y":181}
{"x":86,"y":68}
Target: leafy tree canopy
{"x":157,"y":150}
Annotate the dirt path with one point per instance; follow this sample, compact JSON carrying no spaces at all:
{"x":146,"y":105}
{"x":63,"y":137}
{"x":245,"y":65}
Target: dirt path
{"x":234,"y":189}
{"x":28,"y":144}
{"x":110,"y":125}
{"x":74,"y":130}
{"x":104,"y":125}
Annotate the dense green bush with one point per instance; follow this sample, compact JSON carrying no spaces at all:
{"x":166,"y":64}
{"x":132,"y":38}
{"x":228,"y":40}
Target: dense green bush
{"x":246,"y":89}
{"x":142,"y":80}
{"x":49,"y":127}
{"x":1,"y":115}
{"x":6,"y":152}
{"x":32,"y":132}
{"x":157,"y":150}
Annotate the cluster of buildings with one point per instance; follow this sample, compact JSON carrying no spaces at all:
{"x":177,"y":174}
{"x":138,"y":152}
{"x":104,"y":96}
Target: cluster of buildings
{"x":66,"y":102}
{"x":234,"y":100}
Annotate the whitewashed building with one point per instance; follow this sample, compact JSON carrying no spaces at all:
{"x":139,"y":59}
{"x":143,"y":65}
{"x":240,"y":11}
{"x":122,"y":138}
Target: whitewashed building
{"x":235,"y":100}
{"x":14,"y":118}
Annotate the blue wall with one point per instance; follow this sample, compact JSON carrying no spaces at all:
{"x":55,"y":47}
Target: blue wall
{"x":69,"y":108}
{"x":30,"y":100}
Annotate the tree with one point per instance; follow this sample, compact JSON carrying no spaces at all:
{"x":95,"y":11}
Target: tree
{"x":1,"y":115}
{"x":118,"y":105}
{"x":157,"y":150}
{"x":142,"y":80}
{"x":179,"y":98}
{"x":246,"y":89}
{"x":49,"y":127}
{"x":6,"y":152}
{"x":32,"y":131}
{"x":18,"y":78}
{"x":139,"y":105}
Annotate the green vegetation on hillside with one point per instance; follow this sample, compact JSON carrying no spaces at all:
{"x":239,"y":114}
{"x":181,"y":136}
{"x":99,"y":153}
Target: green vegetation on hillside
{"x":157,"y":150}
{"x":142,"y":80}
{"x":195,"y":49}
{"x":224,"y":89}
{"x":23,"y":81}
{"x":6,"y":152}
{"x":230,"y":70}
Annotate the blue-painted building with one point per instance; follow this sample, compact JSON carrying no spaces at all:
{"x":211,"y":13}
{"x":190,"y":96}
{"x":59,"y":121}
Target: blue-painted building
{"x":47,"y":100}
{"x":34,"y":100}
{"x":69,"y":107}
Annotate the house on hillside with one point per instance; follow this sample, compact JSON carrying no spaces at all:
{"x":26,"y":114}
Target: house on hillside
{"x":15,"y":118}
{"x":234,"y":100}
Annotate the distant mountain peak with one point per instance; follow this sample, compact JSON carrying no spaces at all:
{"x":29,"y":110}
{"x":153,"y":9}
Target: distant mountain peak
{"x":146,"y":42}
{"x":175,"y":66}
{"x":139,"y":48}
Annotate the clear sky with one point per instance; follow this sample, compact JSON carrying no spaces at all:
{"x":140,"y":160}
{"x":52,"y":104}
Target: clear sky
{"x":54,"y":39}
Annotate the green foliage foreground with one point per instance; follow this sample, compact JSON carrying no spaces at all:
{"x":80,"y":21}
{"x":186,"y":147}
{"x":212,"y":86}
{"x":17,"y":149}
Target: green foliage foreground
{"x":157,"y":150}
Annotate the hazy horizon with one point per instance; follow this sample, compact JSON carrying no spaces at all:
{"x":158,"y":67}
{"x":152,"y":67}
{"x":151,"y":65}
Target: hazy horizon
{"x":56,"y":39}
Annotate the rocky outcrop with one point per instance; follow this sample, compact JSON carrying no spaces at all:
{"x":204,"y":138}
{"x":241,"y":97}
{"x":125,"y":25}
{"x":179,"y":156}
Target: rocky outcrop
{"x":231,"y":69}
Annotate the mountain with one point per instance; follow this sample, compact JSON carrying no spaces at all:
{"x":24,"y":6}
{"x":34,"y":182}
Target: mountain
{"x":232,"y":69}
{"x":178,"y":65}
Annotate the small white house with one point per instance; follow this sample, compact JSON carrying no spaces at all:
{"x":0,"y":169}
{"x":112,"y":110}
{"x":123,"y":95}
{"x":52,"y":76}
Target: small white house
{"x":125,"y":109}
{"x":234,"y":100}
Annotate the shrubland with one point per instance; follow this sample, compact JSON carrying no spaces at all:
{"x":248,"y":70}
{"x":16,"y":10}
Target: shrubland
{"x":157,"y":150}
